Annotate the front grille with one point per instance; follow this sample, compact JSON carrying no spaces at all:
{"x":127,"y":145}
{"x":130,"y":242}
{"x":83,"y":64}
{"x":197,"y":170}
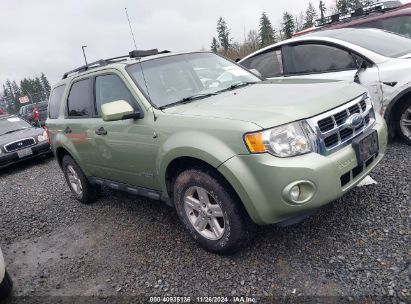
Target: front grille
{"x":19,"y":144}
{"x":333,"y":128}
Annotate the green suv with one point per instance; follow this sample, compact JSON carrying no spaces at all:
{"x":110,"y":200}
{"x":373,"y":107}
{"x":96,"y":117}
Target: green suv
{"x":227,"y":149}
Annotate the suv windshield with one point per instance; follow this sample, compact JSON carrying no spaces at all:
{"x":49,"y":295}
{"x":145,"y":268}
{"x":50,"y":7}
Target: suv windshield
{"x":378,"y":41}
{"x":178,"y":78}
{"x":12,"y":124}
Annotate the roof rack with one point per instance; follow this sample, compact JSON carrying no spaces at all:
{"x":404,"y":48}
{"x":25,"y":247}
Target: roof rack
{"x":376,"y":7}
{"x":103,"y":62}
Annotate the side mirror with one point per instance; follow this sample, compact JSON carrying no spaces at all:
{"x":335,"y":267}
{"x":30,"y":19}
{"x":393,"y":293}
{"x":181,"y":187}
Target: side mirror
{"x":257,"y":72}
{"x":118,"y":110}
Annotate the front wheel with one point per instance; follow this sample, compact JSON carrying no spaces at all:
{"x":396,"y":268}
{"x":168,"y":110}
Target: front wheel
{"x":6,"y":286}
{"x":404,"y":122}
{"x":211,"y":212}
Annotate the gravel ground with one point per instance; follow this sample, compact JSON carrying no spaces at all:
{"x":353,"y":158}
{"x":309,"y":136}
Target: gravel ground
{"x":127,"y":246}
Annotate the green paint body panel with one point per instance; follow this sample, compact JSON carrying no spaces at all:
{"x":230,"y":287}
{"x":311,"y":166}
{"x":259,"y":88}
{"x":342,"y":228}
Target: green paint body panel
{"x":139,"y":151}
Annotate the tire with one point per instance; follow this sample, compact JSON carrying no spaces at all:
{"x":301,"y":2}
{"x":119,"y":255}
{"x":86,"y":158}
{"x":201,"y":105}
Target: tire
{"x":229,"y":229}
{"x":404,"y":115}
{"x":84,"y":192}
{"x":6,"y":286}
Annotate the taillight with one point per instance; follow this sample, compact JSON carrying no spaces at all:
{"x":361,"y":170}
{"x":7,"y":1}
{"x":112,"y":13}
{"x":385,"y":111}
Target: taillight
{"x":48,"y":134}
{"x":36,"y":115}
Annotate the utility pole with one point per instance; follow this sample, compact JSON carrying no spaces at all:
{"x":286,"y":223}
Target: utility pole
{"x":84,"y":53}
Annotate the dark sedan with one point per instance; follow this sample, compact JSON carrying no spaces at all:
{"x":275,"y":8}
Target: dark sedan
{"x":20,"y":141}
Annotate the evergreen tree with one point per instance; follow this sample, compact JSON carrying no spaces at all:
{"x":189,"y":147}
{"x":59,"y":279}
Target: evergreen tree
{"x":343,"y":6}
{"x":299,"y":22}
{"x":310,"y":16}
{"x":214,"y":45}
{"x":288,"y":25}
{"x":45,"y":85}
{"x":266,"y":31}
{"x":223,"y":34}
{"x":322,"y":10}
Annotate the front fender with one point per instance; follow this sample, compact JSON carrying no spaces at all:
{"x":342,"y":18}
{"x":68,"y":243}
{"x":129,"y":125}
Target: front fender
{"x":193,"y":144}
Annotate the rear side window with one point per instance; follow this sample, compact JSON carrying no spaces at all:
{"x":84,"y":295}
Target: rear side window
{"x":269,"y":64}
{"x":55,"y":101}
{"x":111,"y":88}
{"x":315,"y":58}
{"x":80,"y":99}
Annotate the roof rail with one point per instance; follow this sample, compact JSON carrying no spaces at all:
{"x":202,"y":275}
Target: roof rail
{"x":376,"y":7}
{"x":103,"y":62}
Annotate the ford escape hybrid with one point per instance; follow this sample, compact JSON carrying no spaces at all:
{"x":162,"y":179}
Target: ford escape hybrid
{"x":225,"y":148}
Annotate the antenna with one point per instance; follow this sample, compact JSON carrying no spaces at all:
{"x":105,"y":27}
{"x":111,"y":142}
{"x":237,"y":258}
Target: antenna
{"x":131,"y":29}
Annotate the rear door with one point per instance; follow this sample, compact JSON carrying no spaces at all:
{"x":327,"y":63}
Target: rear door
{"x":79,"y":110}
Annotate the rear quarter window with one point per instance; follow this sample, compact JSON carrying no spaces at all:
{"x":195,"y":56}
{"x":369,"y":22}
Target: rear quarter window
{"x":56,"y":97}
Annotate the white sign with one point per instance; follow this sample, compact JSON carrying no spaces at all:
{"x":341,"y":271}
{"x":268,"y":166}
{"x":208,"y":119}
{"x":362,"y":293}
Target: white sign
{"x":24,"y":99}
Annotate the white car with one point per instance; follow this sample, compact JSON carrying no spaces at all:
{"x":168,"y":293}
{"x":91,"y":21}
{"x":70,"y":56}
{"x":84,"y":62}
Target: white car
{"x":5,"y":281}
{"x":379,"y":60}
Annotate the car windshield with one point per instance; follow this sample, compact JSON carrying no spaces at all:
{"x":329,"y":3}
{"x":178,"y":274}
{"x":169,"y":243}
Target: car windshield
{"x":12,"y":124}
{"x":173,"y":79}
{"x":378,"y":41}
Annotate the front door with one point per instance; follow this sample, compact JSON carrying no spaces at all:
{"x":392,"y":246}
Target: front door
{"x":126,"y":148}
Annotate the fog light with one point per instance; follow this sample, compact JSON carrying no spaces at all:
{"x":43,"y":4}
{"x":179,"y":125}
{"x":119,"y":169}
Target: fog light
{"x":299,"y":192}
{"x":295,"y":192}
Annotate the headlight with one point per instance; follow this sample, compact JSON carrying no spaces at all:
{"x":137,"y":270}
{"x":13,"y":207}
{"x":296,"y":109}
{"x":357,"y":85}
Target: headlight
{"x":43,"y":137}
{"x":284,"y":141}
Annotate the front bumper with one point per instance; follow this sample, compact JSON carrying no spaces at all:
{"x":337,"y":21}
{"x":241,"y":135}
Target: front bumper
{"x":7,"y":159}
{"x":260,"y":179}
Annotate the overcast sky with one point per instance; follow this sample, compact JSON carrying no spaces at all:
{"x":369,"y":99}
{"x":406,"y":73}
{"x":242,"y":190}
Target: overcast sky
{"x":47,"y":35}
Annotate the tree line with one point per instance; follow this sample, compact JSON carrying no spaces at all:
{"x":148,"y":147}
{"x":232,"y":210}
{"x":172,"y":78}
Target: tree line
{"x":36,"y":89}
{"x":266,"y":34}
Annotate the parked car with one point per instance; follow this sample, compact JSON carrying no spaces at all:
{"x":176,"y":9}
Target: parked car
{"x":6,"y":283}
{"x":20,"y":141}
{"x":227,"y":154}
{"x":388,"y":15}
{"x":379,"y":60}
{"x":36,"y":114}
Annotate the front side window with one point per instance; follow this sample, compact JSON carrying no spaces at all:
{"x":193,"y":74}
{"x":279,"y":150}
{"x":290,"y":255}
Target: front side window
{"x":269,"y":64}
{"x":111,"y":88}
{"x":315,"y":58}
{"x":168,"y":80}
{"x":55,"y":101}
{"x":80,"y":100}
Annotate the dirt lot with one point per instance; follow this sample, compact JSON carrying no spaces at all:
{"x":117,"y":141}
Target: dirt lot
{"x":127,"y":246}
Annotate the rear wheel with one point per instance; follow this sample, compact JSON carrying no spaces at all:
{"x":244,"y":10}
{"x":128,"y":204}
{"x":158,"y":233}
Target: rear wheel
{"x":211,"y":212}
{"x":403,"y":121}
{"x":6,"y":286}
{"x":81,"y":188}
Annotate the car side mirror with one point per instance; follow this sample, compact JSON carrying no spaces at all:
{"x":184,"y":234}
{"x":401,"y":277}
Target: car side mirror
{"x":257,"y":72}
{"x":118,"y":110}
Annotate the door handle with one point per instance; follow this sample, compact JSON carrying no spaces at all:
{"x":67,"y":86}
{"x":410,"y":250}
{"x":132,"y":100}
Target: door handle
{"x":101,"y":131}
{"x":67,"y":130}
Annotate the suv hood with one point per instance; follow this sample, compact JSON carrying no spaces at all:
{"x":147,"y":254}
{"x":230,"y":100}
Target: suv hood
{"x":274,"y":102}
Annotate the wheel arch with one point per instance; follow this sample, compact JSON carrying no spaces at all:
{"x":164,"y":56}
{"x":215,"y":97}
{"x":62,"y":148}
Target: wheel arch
{"x":392,"y":107}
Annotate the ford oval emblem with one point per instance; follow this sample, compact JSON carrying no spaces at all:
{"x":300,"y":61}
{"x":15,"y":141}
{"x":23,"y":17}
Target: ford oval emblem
{"x":354,"y":121}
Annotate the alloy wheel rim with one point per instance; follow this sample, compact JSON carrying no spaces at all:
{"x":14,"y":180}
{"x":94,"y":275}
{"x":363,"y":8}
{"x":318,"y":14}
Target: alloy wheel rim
{"x":405,"y":122}
{"x":74,"y":180}
{"x":204,"y":213}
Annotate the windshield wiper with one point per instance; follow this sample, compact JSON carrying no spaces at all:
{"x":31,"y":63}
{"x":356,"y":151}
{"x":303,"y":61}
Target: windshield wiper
{"x":237,"y":85}
{"x":12,"y":131}
{"x":188,"y":99}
